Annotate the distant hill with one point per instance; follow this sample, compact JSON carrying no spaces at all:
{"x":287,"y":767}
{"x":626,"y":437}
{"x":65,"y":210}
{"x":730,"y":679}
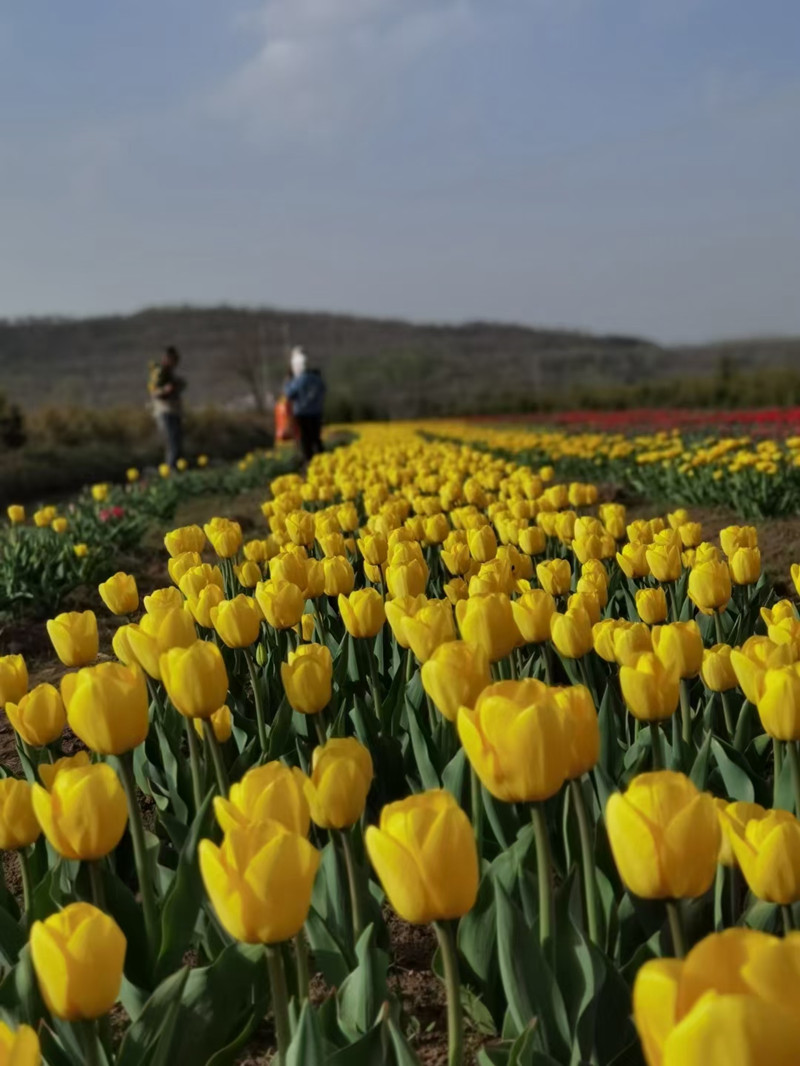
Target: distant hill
{"x":374,"y":367}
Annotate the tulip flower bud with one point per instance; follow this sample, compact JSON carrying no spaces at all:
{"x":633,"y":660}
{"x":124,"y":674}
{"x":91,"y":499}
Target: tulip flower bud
{"x":489,"y":622}
{"x":679,"y":645}
{"x":74,"y":637}
{"x":555,"y":576}
{"x":225,"y":536}
{"x":161,"y":602}
{"x":271,"y":792}
{"x":482,"y":544}
{"x":425,"y":857}
{"x":84,"y":813}
{"x":398,"y":610}
{"x":710,"y":586}
{"x":603,"y":637}
{"x":221,"y":723}
{"x":429,"y":627}
{"x":717,"y":670}
{"x":532,"y":540}
{"x":595,"y":585}
{"x":588,"y":602}
{"x":406,"y":579}
{"x":18,"y":824}
{"x":630,"y":642}
{"x":514,"y":740}
{"x":48,"y":771}
{"x":779,"y":702}
{"x":745,"y":566}
{"x":259,"y":881}
{"x":19,"y":1047}
{"x":300,"y":527}
{"x":181,"y":564}
{"x":39,"y":717}
{"x":651,"y":605}
{"x":281,"y":602}
{"x":237,"y":621}
{"x":195,"y":678}
{"x":580,"y":728}
{"x":691,"y":534}
{"x":363,"y":612}
{"x":78,"y":954}
{"x":341,"y":776}
{"x":373,"y":547}
{"x":16,"y":514}
{"x":733,"y":818}
{"x":156,"y":634}
{"x":314,"y":586}
{"x":664,"y":561}
{"x":338,"y":576}
{"x":119,"y":593}
{"x":650,"y":688}
{"x":532,"y":613}
{"x":734,"y":537}
{"x":307,"y":678}
{"x":664,"y":836}
{"x":107,"y":707}
{"x":348,"y":517}
{"x":632,"y":559}
{"x":196,"y":578}
{"x":248,"y":574}
{"x":768,"y":852}
{"x":455,"y":675}
{"x":201,"y":606}
{"x":571,"y":633}
{"x":185,"y":539}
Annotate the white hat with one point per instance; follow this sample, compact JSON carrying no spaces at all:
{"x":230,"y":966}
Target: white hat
{"x":298,"y":361}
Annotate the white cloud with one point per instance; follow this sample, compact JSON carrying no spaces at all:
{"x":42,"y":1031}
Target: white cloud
{"x":324,"y":64}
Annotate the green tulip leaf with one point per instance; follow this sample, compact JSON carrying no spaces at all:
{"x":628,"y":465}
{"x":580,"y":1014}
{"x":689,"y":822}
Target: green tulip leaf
{"x":364,"y":990}
{"x":738,"y":783}
{"x":307,"y":1047}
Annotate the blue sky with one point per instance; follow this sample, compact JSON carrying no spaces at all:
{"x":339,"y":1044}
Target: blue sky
{"x":625,"y":165}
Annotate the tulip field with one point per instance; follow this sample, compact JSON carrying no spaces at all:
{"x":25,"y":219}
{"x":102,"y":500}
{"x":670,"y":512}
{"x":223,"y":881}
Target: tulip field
{"x":447,"y":695}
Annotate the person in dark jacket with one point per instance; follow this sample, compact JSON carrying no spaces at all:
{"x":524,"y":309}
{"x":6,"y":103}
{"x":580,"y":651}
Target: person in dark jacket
{"x":306,"y":392}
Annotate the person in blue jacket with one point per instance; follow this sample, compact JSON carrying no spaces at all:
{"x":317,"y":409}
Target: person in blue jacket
{"x":306,"y":393}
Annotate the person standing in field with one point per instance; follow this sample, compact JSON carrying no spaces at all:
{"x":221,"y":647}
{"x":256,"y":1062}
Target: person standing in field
{"x":306,"y":393}
{"x":166,"y":390}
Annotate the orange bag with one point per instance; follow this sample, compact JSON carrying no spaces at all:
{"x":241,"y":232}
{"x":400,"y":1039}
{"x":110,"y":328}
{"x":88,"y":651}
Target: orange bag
{"x":283,"y":420}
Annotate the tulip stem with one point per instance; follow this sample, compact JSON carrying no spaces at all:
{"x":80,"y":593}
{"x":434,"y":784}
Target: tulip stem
{"x":548,"y":666}
{"x":788,"y":919}
{"x":96,"y":882}
{"x":777,"y":756}
{"x":655,"y":744}
{"x":686,"y":712}
{"x":303,"y":974}
{"x":280,"y":1001}
{"x":27,"y":884}
{"x":727,"y":713}
{"x":476,"y":802}
{"x":353,"y":885}
{"x":455,"y":1020}
{"x":212,"y":745}
{"x":718,"y":627}
{"x":261,"y":724}
{"x":89,"y":1039}
{"x":794,"y":764}
{"x":376,"y":689}
{"x":676,"y":928}
{"x":194,"y":763}
{"x":587,"y":856}
{"x":140,"y":849}
{"x":673,"y":599}
{"x":543,"y":871}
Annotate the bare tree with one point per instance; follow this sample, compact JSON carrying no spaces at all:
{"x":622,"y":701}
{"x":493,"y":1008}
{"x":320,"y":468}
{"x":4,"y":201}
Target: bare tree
{"x":255,"y":359}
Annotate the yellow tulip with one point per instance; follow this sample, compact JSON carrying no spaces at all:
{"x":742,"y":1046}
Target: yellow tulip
{"x":734,"y":537}
{"x":289,"y":566}
{"x":156,"y":634}
{"x":16,"y":514}
{"x":795,"y":572}
{"x":248,"y":574}
{"x":306,"y":627}
{"x":39,"y":717}
{"x":717,"y":670}
{"x":632,"y":559}
{"x":132,"y":474}
{"x":202,"y":605}
{"x":195,"y":678}
{"x":268,"y":793}
{"x":338,"y":576}
{"x":74,"y":637}
{"x":221,"y":723}
{"x":733,"y":818}
{"x":78,"y":955}
{"x":59,"y":525}
{"x":586,"y":602}
{"x":779,"y":702}
{"x":237,"y":621}
{"x":782,"y":611}
{"x":307,"y":678}
{"x":185,"y":539}
{"x":631,"y":641}
{"x":532,"y":540}
{"x":482,"y":544}
{"x":579,"y":727}
{"x":429,"y":627}
{"x":679,"y":645}
{"x":363,"y":612}
{"x":162,"y":601}
{"x":595,"y":585}
{"x":398,"y":610}
{"x":374,"y":548}
{"x":259,"y":881}
{"x":425,"y":857}
{"x":100,"y":492}
{"x":49,"y":771}
{"x":181,"y":564}
{"x":664,"y":836}
{"x":571,"y":633}
{"x":768,"y":852}
{"x":18,"y":823}
{"x":710,"y":586}
{"x":532,"y":613}
{"x":489,"y":622}
{"x":650,"y":688}
{"x":664,"y":561}
{"x":406,"y":579}
{"x":341,"y":776}
{"x":196,"y":578}
{"x":225,"y":536}
{"x":603,"y":637}
{"x":455,"y":675}
{"x":691,"y":534}
{"x":119,"y":593}
{"x":107,"y":707}
{"x":651,"y":605}
{"x":745,"y":566}
{"x":282,"y":602}
{"x":84,"y":813}
{"x":19,"y":1047}
{"x":300,"y":527}
{"x":256,"y":551}
{"x":554,"y":576}
{"x":514,"y":740}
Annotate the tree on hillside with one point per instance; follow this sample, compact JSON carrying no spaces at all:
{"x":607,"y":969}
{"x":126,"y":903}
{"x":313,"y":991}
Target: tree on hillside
{"x":256,"y":358}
